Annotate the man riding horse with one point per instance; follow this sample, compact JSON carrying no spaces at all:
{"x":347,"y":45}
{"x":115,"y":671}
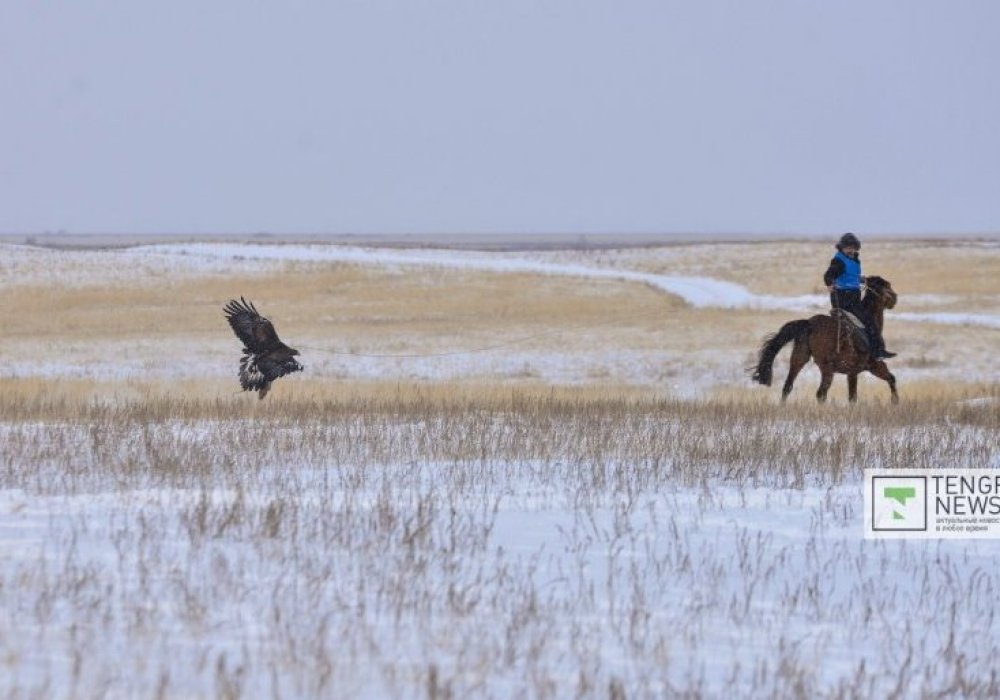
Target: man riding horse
{"x":829,"y":340}
{"x":844,"y":279}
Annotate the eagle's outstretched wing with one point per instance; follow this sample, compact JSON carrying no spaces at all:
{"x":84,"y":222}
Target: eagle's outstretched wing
{"x":256,"y":332}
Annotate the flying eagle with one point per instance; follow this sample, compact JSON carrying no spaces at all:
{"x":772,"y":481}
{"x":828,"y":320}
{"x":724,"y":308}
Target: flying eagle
{"x":265,"y":357}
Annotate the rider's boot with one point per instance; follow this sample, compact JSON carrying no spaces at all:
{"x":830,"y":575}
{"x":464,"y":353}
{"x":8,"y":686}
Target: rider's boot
{"x":878,"y":345}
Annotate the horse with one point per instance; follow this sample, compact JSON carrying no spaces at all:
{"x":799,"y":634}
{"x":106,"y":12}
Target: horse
{"x":828,"y":341}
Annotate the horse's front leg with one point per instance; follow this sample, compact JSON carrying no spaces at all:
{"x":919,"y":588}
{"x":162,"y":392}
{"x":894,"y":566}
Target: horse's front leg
{"x":852,"y":387}
{"x":824,"y":384}
{"x":881,"y":370}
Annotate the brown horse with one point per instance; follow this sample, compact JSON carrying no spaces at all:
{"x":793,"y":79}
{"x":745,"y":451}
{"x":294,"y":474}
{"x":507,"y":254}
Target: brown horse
{"x":833,"y":349}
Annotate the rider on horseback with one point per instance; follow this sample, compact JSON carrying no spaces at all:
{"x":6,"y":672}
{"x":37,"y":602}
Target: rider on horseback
{"x":843,"y":278}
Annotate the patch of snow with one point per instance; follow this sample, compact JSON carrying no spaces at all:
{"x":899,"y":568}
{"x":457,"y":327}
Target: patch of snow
{"x":953,"y":319}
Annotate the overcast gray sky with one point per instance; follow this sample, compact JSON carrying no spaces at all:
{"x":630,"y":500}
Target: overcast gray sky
{"x":500,"y":116}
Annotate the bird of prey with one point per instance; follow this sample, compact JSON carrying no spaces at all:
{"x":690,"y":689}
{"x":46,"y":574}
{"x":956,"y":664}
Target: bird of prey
{"x":265,"y":357}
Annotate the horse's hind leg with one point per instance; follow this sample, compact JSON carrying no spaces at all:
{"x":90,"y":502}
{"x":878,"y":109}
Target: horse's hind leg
{"x":881,"y":370}
{"x":852,"y":387}
{"x":800,"y":356}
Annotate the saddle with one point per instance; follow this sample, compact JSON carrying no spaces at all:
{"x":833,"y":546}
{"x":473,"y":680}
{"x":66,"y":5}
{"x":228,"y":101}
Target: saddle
{"x":851,"y":330}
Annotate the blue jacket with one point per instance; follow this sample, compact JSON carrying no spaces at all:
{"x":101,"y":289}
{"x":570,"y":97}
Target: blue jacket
{"x":844,"y":272}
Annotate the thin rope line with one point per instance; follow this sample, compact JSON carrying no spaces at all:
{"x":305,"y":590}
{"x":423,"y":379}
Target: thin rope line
{"x":486,"y":348}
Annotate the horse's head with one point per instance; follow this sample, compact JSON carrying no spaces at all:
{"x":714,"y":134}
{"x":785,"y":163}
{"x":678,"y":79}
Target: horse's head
{"x":883,"y":290}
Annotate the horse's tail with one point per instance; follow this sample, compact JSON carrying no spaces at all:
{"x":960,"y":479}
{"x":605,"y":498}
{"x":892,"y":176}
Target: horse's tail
{"x":772,"y":344}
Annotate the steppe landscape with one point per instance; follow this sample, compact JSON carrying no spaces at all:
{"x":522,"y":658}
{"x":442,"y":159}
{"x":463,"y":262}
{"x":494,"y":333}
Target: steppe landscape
{"x":528,"y":471}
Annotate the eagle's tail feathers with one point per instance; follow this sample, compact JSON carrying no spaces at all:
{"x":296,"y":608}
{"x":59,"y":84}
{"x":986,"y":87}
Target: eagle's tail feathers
{"x":251,"y":378}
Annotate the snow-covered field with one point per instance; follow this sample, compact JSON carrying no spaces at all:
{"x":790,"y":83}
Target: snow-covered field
{"x":527,"y":549}
{"x":600,"y":507}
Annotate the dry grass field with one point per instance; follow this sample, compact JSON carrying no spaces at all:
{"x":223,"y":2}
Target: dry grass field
{"x":139,"y":316}
{"x":967,"y":268}
{"x":594,"y":503}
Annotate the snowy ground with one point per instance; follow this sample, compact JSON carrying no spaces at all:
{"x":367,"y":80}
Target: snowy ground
{"x":717,"y":591}
{"x":141,"y":559}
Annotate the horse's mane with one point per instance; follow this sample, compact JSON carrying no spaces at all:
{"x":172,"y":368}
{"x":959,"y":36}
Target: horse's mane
{"x":874,"y":287}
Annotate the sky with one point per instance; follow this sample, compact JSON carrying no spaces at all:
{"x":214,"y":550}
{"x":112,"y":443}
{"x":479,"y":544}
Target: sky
{"x":512,"y":116}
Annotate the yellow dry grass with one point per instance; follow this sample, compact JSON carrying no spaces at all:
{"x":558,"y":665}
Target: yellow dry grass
{"x":324,"y":309}
{"x":351,"y":303}
{"x":50,"y":396}
{"x":796,"y":267}
{"x":928,"y":403}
